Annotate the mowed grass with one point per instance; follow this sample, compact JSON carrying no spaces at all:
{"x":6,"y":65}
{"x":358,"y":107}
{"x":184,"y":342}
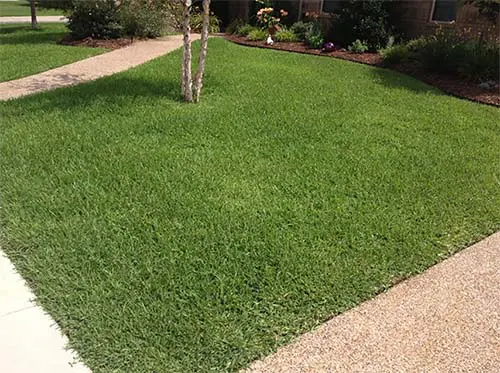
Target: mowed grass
{"x":168,"y":237}
{"x":22,"y":8}
{"x":24,"y":51}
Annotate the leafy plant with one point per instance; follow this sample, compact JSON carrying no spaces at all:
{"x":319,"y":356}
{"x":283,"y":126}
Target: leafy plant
{"x":416,"y":45}
{"x":235,"y":26}
{"x":95,"y":18}
{"x":197,"y":22}
{"x":301,"y":28}
{"x":144,"y":18}
{"x":257,"y":35}
{"x":442,"y":52}
{"x":314,"y":38}
{"x":358,"y":46}
{"x":364,"y":20}
{"x":246,"y":29}
{"x":481,"y":59}
{"x":395,"y":54}
{"x":447,"y":52}
{"x":268,"y":19}
{"x":285,"y":35}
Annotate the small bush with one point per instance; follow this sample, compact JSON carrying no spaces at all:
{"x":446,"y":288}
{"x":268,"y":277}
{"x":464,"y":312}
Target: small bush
{"x":442,"y":52}
{"x":285,"y":35}
{"x":197,"y":23}
{"x":415,"y":45}
{"x":366,"y":20}
{"x":446,"y":52}
{"x":246,"y":29}
{"x":301,"y":29}
{"x":358,"y":46}
{"x":257,"y":35}
{"x":314,"y":38}
{"x":144,"y":19}
{"x":95,"y":18}
{"x":395,"y":54}
{"x":235,"y":25}
{"x":481,"y":59}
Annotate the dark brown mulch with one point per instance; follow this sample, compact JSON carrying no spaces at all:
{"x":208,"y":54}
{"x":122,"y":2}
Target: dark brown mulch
{"x":453,"y":85}
{"x":97,"y":43}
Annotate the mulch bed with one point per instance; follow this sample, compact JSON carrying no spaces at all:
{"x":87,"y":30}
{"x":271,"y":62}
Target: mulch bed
{"x":452,"y":85}
{"x":97,"y":43}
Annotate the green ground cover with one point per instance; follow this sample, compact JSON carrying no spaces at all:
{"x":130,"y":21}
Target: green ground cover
{"x":24,"y":51}
{"x":22,"y":8}
{"x":164,"y":236}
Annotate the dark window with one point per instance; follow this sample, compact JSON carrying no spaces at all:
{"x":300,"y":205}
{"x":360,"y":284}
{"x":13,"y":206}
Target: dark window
{"x":444,"y":10}
{"x":331,"y":6}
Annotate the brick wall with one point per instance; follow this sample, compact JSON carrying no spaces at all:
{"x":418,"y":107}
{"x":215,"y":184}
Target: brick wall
{"x":414,"y":19}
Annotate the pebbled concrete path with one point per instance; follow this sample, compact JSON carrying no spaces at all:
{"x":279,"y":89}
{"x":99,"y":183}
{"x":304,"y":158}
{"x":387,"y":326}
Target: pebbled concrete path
{"x":92,"y":68}
{"x":444,"y":320}
{"x":40,"y":19}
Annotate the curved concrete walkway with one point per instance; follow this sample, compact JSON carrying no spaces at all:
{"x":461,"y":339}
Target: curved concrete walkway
{"x":40,"y":19}
{"x":92,"y":68}
{"x":444,"y":320}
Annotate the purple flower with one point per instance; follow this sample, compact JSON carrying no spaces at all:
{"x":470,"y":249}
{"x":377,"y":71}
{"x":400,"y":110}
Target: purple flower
{"x":328,"y":47}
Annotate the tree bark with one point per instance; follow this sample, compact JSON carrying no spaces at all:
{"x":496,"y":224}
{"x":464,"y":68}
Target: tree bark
{"x":198,"y":82}
{"x":34,"y":21}
{"x":186,"y":83}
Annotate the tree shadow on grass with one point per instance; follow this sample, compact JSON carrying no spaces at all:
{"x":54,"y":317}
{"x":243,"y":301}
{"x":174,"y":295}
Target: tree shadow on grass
{"x":34,"y":37}
{"x":394,"y":79}
{"x":110,"y":93}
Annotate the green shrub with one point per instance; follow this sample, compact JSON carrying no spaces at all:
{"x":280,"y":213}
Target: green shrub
{"x":446,"y":52}
{"x":246,"y":29}
{"x":481,"y":59}
{"x":364,"y":20}
{"x":257,"y":35}
{"x":314,"y":38}
{"x":442,"y":52}
{"x":285,"y":35}
{"x":145,"y":19}
{"x":301,"y":29}
{"x":415,"y":45}
{"x":395,"y":54}
{"x":197,"y":23}
{"x":107,"y":19}
{"x":95,"y":18}
{"x":358,"y":46}
{"x":234,"y":26}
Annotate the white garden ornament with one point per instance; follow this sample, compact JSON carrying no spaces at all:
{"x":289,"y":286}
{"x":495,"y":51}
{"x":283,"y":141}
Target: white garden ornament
{"x":269,"y":40}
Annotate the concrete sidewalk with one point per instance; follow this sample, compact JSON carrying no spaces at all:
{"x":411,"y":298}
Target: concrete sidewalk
{"x":29,"y":339}
{"x":445,"y":320}
{"x":40,"y":19}
{"x":92,"y":68}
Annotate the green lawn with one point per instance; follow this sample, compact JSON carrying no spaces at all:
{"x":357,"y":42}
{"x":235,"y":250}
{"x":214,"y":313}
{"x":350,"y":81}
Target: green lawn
{"x":164,"y":236}
{"x":24,"y":51}
{"x":22,"y":8}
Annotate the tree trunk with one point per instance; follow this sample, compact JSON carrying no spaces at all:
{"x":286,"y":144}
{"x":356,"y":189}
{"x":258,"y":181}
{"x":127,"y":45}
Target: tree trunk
{"x":34,"y":22}
{"x":186,"y":83}
{"x":198,"y":82}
